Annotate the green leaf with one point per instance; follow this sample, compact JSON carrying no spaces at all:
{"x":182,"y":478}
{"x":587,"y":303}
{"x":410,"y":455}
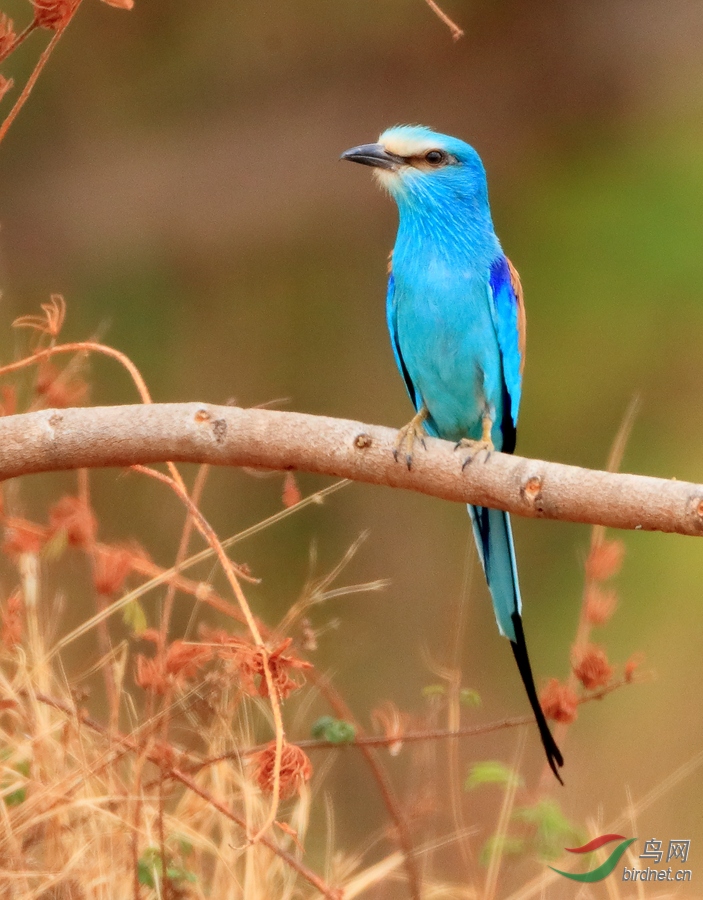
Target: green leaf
{"x":149,"y":867}
{"x":134,"y":618}
{"x":469,"y":697}
{"x":491,"y":772}
{"x":319,"y":727}
{"x":146,"y":873}
{"x":184,"y":844}
{"x":553,"y":831}
{"x":56,"y":546}
{"x":14,"y":798}
{"x":505,"y":845}
{"x":176,"y":873}
{"x":336,"y":731}
{"x":434,"y":690}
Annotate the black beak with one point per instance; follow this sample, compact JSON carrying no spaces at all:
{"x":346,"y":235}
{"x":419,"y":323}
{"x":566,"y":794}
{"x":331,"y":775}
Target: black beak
{"x":373,"y":155}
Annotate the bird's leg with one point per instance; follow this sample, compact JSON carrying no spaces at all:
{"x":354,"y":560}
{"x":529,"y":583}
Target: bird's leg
{"x":408,"y":434}
{"x":475,"y":447}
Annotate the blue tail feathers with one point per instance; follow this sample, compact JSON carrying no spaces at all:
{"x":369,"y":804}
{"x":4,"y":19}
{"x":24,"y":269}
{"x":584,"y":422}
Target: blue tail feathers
{"x":494,"y":541}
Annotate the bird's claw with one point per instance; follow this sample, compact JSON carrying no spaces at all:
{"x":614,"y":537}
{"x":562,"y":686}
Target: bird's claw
{"x":407,"y":436}
{"x":474,"y":448}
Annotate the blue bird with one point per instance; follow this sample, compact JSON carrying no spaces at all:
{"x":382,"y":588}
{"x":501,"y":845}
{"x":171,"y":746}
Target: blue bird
{"x":457,"y":324}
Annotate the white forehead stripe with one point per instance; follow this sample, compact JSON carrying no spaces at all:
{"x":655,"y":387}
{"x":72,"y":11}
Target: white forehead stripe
{"x":400,"y":145}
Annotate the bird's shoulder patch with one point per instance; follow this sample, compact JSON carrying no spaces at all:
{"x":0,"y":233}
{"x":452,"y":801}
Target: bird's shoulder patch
{"x":521,"y":315}
{"x":509,"y":319}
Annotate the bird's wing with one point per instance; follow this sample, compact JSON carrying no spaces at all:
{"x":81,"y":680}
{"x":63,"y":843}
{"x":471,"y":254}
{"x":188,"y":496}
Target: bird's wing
{"x":510,"y":323}
{"x":392,"y":318}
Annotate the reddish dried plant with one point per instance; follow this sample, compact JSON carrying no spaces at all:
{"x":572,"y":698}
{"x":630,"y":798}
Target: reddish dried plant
{"x":291,"y":492}
{"x":6,"y":84}
{"x":150,"y":675}
{"x":184,"y":660}
{"x":393,"y":723}
{"x":296,"y":769}
{"x":57,"y":389}
{"x":19,"y":540}
{"x":12,"y":621}
{"x":51,"y":322}
{"x":601,"y":603}
{"x":164,"y":755}
{"x":632,"y":665}
{"x":112,"y":566}
{"x":247,"y":661}
{"x":76,"y":518}
{"x":604,"y":560}
{"x":182,"y":663}
{"x":54,"y":14}
{"x":8,"y":407}
{"x":559,"y":702}
{"x":7,"y":35}
{"x":590,"y":665}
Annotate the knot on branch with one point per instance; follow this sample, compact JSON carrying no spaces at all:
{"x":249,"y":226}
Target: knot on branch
{"x":218,"y":426}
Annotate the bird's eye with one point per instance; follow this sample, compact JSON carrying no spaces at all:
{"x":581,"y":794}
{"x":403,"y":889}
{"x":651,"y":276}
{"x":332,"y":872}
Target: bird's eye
{"x":435,"y":157}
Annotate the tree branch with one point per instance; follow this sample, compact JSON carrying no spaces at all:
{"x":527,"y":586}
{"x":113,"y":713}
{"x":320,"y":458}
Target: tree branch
{"x":52,"y":440}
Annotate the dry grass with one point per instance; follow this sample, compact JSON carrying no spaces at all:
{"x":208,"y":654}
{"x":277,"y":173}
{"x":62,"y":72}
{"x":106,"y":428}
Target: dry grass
{"x":184,"y":782}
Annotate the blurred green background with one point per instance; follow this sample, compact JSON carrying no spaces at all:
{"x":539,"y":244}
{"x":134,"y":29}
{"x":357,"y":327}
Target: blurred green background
{"x":175,"y":175}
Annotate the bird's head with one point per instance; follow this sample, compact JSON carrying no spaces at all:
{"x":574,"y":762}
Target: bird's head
{"x":420,"y":167}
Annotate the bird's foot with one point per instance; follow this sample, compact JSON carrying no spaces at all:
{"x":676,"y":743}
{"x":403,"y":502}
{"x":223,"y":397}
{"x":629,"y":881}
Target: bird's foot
{"x":407,"y":436}
{"x":475,"y":447}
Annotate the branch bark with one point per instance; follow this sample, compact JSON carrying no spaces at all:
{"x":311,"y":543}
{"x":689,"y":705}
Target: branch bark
{"x":52,"y":440}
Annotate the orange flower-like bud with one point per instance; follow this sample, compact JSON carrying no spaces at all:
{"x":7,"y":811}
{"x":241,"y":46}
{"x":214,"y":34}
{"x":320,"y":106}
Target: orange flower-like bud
{"x":183,"y":660}
{"x":632,"y":665}
{"x":112,"y":566}
{"x":590,"y":665}
{"x":72,"y":515}
{"x":6,"y":84}
{"x":605,"y":560}
{"x":247,"y":660}
{"x":291,"y":491}
{"x":7,"y":35}
{"x":150,"y":675}
{"x":296,"y":769}
{"x":559,"y":702}
{"x":54,"y":14}
{"x":19,"y":540}
{"x":57,"y":389}
{"x":163,"y":755}
{"x":600,"y":604}
{"x":120,"y":4}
